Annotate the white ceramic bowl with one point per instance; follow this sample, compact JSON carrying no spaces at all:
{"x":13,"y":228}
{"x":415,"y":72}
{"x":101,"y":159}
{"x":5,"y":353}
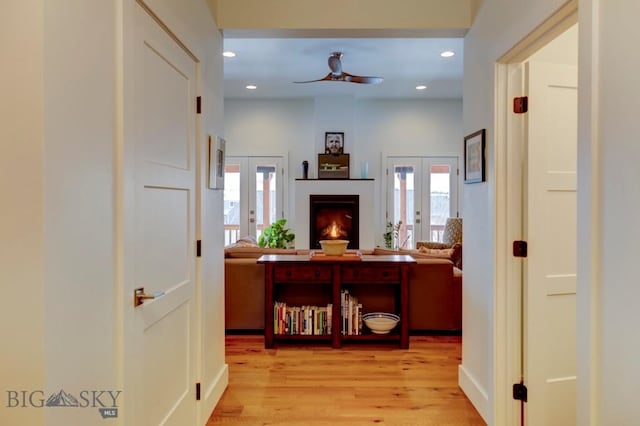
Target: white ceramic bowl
{"x":380,"y":322}
{"x":334,"y":247}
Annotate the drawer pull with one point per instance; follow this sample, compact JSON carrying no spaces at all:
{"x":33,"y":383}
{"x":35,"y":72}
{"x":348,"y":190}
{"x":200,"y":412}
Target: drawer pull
{"x":317,"y":273}
{"x":288,"y":273}
{"x":385,"y":273}
{"x":356,"y":273}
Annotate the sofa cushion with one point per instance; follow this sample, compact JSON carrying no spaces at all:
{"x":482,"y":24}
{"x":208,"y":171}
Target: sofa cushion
{"x":246,"y":241}
{"x":454,"y":253}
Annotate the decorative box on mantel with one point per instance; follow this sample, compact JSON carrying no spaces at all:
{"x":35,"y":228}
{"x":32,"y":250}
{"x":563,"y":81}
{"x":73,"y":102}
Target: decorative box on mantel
{"x":365,"y":188}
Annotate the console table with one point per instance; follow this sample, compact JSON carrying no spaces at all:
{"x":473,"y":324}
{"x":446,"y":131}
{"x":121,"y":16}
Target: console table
{"x":334,"y":273}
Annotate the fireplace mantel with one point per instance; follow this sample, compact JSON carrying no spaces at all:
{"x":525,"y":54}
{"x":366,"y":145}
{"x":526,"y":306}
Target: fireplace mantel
{"x":365,"y":188}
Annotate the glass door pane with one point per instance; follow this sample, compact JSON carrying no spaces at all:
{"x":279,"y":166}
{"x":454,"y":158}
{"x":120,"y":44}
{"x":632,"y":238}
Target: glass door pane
{"x":404,"y":185}
{"x":442,"y":199}
{"x":267,"y":190}
{"x":266,"y":177}
{"x":232,"y":201}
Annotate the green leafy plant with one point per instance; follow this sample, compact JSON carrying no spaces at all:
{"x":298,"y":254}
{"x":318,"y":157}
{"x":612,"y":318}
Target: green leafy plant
{"x":276,"y":235}
{"x":392,"y":233}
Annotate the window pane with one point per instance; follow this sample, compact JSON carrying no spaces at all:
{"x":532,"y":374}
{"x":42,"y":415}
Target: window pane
{"x":440,"y":193}
{"x":404,"y":204}
{"x":231,"y":203}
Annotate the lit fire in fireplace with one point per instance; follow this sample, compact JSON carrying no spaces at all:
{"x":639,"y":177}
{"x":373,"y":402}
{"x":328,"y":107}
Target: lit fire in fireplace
{"x":334,"y":231}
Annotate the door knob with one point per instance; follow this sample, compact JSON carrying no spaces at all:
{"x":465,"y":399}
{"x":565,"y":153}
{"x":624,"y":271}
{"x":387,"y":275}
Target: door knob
{"x":139,"y":296}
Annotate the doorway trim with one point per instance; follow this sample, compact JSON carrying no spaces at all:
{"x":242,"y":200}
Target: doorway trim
{"x":508,"y":223}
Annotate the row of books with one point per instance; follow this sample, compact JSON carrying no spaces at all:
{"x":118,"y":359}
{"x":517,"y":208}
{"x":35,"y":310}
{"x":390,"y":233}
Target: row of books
{"x":350,"y":313}
{"x":316,"y":320}
{"x":303,"y":320}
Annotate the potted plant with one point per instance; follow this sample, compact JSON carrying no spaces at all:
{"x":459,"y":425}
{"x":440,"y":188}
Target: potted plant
{"x":391,"y":236}
{"x":276,"y":235}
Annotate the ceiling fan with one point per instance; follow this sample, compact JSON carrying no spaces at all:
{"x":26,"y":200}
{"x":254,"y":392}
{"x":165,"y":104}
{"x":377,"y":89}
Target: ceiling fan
{"x":337,"y":74}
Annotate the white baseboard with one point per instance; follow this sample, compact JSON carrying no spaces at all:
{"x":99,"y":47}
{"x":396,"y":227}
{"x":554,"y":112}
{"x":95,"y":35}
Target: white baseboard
{"x":476,"y":393}
{"x":213,"y":393}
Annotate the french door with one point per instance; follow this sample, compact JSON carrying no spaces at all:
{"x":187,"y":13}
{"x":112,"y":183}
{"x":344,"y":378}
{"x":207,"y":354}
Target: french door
{"x":421,"y":193}
{"x":253,"y":195}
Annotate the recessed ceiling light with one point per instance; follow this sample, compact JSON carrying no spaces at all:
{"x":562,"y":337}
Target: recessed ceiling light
{"x":251,"y":86}
{"x":447,"y":53}
{"x":229,"y":54}
{"x":421,"y":87}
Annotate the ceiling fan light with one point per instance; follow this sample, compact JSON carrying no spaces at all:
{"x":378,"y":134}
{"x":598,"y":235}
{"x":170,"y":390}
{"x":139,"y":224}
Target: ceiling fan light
{"x":447,"y":53}
{"x":251,"y":87}
{"x":421,"y":87}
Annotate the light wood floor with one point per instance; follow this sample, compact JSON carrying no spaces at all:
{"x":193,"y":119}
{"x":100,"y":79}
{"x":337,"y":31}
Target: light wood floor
{"x":357,"y":385}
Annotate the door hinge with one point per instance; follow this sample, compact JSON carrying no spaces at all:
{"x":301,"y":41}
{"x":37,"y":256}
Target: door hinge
{"x":197,"y":391}
{"x":521,"y":105}
{"x":520,"y":248}
{"x":199,"y":105}
{"x":198,"y":248}
{"x":520,"y":392}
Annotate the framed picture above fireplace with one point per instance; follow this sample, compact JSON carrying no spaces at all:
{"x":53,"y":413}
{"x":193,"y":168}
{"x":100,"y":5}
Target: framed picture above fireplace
{"x":333,"y":166}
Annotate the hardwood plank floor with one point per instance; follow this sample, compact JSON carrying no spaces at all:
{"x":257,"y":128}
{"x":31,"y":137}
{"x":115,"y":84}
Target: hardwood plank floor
{"x":360,"y":384}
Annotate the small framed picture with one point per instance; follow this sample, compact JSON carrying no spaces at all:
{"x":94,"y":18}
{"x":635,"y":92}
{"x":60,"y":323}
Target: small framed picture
{"x":217,"y":147}
{"x":474,"y":158}
{"x":334,"y":143}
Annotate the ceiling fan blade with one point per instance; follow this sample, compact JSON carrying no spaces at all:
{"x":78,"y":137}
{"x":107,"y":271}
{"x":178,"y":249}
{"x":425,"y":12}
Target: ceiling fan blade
{"x":327,"y":77}
{"x":361,"y":79}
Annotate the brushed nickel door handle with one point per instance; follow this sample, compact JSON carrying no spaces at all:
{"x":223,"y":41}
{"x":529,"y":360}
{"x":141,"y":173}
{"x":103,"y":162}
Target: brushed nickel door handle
{"x":139,"y":296}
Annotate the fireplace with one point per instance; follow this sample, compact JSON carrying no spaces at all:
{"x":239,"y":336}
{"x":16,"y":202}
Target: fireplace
{"x":334,"y":217}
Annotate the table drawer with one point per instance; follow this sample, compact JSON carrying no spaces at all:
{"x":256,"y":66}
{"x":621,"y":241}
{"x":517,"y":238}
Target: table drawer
{"x":312,"y":273}
{"x":370,"y":274}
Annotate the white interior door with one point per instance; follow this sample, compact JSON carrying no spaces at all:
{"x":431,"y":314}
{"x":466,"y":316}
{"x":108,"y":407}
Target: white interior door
{"x":550,"y":229}
{"x":253,"y":195}
{"x":422,"y":193}
{"x":161,"y":343}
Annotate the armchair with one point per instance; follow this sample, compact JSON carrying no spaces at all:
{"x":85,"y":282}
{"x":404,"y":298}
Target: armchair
{"x":451,"y":239}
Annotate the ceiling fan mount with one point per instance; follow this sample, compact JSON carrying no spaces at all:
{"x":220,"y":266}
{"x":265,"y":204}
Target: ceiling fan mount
{"x":336,"y":74}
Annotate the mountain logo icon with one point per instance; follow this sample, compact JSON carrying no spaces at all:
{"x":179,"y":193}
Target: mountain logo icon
{"x":62,"y":399}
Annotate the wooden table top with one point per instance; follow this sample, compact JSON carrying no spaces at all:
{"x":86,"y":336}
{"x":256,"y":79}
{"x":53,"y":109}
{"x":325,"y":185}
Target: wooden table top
{"x":393,"y":258}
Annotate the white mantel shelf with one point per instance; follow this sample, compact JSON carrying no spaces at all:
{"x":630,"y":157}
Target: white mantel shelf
{"x":365,"y":188}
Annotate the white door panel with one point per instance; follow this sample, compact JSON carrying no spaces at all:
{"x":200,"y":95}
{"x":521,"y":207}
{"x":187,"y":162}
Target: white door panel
{"x":161,"y":340}
{"x":550,"y":268}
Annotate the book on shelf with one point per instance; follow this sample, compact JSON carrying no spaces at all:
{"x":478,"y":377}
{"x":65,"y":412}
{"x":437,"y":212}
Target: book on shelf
{"x":302,"y":320}
{"x":351,"y":312}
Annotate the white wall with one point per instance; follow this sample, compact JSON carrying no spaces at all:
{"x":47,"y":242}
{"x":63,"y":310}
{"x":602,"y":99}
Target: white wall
{"x":608,"y":149}
{"x":607,"y":348}
{"x":296,"y":127}
{"x":61,"y":298}
{"x":21,"y":212}
{"x":498,"y":26}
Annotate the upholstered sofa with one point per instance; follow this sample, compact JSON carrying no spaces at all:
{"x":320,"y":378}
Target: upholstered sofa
{"x":435,"y":290}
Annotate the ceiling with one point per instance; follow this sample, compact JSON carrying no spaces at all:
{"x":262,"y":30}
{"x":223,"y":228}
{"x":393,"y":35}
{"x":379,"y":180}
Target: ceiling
{"x":273,"y":64}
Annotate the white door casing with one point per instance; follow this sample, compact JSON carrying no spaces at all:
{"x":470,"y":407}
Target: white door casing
{"x":160,"y":340}
{"x":549,"y":331}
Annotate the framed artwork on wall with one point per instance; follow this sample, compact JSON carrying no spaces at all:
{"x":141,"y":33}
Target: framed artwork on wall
{"x":334,"y":143}
{"x":474,"y":157}
{"x":217,"y":147}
